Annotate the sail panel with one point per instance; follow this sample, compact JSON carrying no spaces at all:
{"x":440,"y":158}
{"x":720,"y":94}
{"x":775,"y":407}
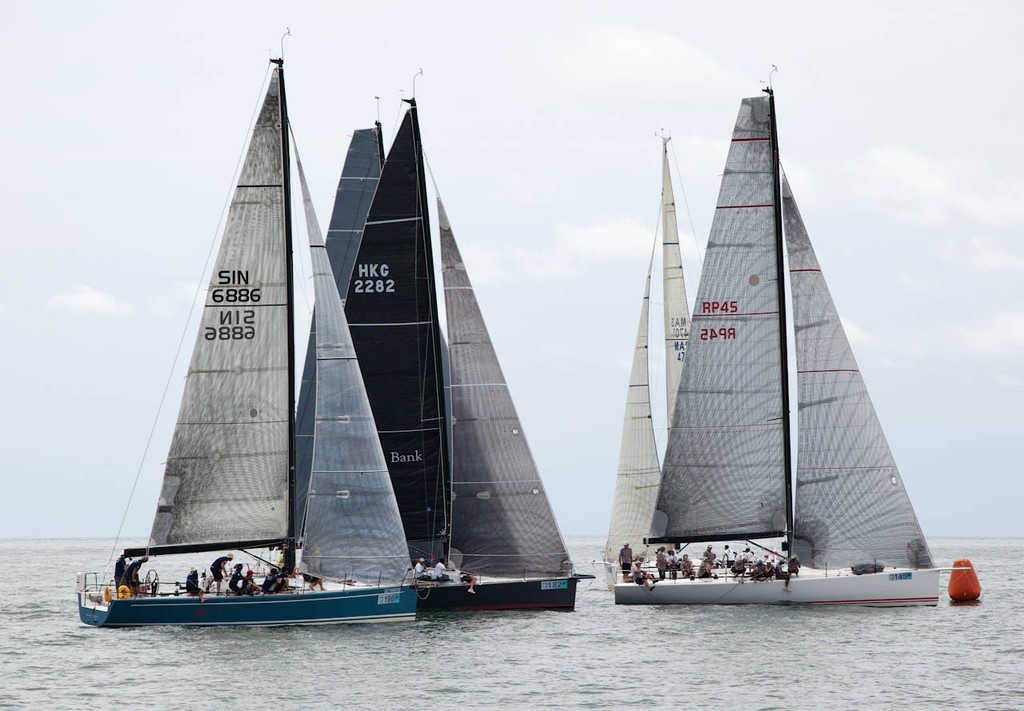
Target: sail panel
{"x":851,"y":505}
{"x":639,"y":472}
{"x":502,"y":522}
{"x":226,"y":477}
{"x":724,"y":464}
{"x":356,"y":187}
{"x":391,"y":310}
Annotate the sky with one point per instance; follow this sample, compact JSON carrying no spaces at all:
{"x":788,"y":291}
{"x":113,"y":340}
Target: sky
{"x":123,"y":124}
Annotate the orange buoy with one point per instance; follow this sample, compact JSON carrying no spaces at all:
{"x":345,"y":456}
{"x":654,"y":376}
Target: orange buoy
{"x":963,"y":582}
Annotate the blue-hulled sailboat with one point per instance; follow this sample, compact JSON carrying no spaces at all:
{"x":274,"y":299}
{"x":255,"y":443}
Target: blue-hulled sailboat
{"x":229,"y":482}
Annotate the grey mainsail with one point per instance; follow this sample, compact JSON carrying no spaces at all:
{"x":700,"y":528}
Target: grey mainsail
{"x":226,"y":477}
{"x":851,"y":505}
{"x":353,"y":528}
{"x":639,"y":472}
{"x":356,"y":187}
{"x":723,"y":472}
{"x":502,"y":523}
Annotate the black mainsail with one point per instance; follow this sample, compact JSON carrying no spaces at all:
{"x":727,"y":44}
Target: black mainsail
{"x":393,"y":315}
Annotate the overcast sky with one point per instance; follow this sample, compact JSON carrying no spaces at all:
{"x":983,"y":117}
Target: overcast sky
{"x":899,"y":123}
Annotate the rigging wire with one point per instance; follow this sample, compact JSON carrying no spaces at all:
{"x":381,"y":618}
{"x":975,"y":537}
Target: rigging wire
{"x":188,"y":322}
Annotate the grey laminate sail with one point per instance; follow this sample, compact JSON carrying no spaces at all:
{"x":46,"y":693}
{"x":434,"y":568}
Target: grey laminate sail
{"x":356,"y":187}
{"x":851,"y":506}
{"x":353,"y":528}
{"x":226,"y":477}
{"x":639,"y":472}
{"x":723,"y":472}
{"x":676,"y":308}
{"x":502,"y":523}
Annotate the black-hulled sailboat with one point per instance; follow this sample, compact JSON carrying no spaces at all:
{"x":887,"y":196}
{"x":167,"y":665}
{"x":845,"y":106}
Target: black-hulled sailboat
{"x":229,"y":478}
{"x":466,"y":483}
{"x":842,"y":511}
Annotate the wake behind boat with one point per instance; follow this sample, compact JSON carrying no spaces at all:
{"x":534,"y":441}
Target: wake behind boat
{"x":728,"y":473}
{"x":229,"y":482}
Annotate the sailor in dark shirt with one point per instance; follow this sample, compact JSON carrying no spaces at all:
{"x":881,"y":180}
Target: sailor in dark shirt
{"x":218,"y":568}
{"x":273,"y":582}
{"x":235,"y":585}
{"x":119,"y":567}
{"x":192,"y":584}
{"x":131,"y":574}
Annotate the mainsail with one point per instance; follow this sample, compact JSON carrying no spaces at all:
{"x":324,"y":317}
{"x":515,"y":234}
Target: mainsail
{"x":502,"y":523}
{"x":393,"y":316}
{"x":851,"y":506}
{"x":356,"y":188}
{"x":226,"y":477}
{"x":353,"y":528}
{"x":723,"y":476}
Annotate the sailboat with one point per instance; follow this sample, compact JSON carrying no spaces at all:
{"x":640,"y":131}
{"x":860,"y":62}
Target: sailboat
{"x":728,"y":475}
{"x":467,"y":486}
{"x":229,"y":478}
{"x":634,"y":505}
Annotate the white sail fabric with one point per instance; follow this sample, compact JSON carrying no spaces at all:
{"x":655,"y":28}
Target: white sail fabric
{"x":677,"y":310}
{"x":851,"y":506}
{"x":352,"y":526}
{"x":639,"y":474}
{"x":226,"y":477}
{"x":723,"y":474}
{"x":502,"y":523}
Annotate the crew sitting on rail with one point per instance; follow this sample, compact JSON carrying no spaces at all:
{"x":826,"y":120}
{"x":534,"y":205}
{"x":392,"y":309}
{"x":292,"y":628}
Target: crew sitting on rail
{"x":705,"y":569}
{"x":440,"y":574}
{"x":192,"y":584}
{"x":686,"y":566}
{"x":274,"y":582}
{"x":237,"y":582}
{"x":739,"y":566}
{"x":640,"y":577}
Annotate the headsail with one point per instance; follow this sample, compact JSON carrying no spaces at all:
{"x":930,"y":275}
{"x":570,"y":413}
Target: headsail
{"x":722,"y":477}
{"x":226,"y":477}
{"x":677,"y":310}
{"x":353,"y":528}
{"x":356,"y":188}
{"x":502,"y":523}
{"x":851,"y":506}
{"x":392,"y":312}
{"x":639,"y":473}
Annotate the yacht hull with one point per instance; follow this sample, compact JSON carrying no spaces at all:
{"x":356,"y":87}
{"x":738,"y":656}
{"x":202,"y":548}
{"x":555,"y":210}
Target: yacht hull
{"x":539,"y":594}
{"x":896,"y":588}
{"x":376,"y":604}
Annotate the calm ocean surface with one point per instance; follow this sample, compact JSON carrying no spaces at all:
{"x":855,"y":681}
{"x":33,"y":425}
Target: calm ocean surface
{"x":598,"y":657}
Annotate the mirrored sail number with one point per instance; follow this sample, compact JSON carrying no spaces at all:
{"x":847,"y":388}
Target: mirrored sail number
{"x":232,"y":287}
{"x":373,"y":279}
{"x":718,"y":308}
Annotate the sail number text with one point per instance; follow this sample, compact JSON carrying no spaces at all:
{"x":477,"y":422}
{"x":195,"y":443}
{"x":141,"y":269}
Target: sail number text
{"x":232,"y":287}
{"x":373,"y":279}
{"x":713,"y":308}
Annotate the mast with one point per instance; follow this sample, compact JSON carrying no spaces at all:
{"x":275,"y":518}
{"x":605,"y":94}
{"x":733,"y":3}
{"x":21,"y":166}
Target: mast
{"x":783,"y":335}
{"x":289,"y":281}
{"x":380,"y":142}
{"x":442,"y":411}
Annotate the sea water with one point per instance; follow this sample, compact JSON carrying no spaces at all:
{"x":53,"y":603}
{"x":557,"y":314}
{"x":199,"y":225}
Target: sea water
{"x":602,"y":656}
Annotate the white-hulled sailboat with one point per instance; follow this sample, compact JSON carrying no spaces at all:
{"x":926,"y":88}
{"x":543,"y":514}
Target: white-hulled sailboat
{"x":728,"y":473}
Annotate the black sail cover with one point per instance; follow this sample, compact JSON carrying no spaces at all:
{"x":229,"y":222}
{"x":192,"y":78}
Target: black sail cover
{"x":392,"y":313}
{"x":502,"y":523}
{"x":356,"y":188}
